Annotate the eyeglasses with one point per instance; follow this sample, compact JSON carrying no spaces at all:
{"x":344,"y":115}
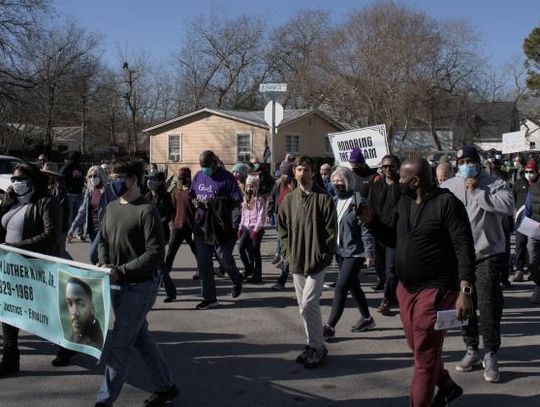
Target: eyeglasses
{"x":15,"y":179}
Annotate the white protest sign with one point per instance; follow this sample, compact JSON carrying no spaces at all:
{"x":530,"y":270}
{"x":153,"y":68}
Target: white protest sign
{"x":514,"y":142}
{"x":371,"y":140}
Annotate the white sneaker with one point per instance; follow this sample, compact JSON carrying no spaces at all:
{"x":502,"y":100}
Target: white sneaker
{"x":470,"y":359}
{"x":491,"y":367}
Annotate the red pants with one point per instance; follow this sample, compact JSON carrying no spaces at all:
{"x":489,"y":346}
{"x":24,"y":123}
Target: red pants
{"x":418,"y":313}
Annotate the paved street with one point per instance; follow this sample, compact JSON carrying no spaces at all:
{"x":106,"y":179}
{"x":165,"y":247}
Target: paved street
{"x":242,"y":353}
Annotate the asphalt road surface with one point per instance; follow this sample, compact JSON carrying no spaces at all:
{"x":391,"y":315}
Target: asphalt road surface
{"x":243,"y":353}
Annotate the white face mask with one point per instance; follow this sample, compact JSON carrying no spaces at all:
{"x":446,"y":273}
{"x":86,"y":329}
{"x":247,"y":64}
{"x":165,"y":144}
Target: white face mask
{"x":20,"y":188}
{"x":531,"y":176}
{"x":94,"y":180}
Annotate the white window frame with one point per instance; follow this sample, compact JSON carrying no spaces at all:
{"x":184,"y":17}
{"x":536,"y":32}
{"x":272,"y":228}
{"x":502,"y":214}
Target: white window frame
{"x":179,"y":153}
{"x":287,"y":146}
{"x":250,"y":152}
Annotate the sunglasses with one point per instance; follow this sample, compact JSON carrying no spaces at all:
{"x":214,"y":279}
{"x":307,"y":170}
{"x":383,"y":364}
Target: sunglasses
{"x":529,"y":172}
{"x":15,"y":179}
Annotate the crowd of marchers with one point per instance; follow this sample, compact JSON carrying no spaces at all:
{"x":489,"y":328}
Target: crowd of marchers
{"x":437,"y":233}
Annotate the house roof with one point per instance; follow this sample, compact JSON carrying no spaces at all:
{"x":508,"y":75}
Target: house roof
{"x":62,"y":134}
{"x":255,"y":117}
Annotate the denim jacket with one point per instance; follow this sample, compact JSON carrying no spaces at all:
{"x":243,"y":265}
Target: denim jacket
{"x":355,"y":240}
{"x":83,"y":217}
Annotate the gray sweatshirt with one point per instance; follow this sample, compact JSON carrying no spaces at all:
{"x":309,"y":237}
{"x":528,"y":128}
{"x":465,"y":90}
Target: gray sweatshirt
{"x":486,"y":206}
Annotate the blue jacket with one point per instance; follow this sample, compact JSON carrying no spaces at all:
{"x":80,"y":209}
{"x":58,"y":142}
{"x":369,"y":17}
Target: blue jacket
{"x":83,"y":217}
{"x":355,"y":239}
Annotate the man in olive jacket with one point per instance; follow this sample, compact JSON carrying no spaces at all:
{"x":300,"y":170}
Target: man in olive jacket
{"x":307,"y":230}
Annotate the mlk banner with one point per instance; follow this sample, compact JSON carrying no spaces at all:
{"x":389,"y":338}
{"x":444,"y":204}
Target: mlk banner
{"x":371,"y":140}
{"x":65,"y":302}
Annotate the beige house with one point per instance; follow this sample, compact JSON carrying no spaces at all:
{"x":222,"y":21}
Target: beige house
{"x":237,"y":136}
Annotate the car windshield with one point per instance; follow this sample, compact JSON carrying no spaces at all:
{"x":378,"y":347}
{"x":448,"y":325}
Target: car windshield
{"x":7,"y":166}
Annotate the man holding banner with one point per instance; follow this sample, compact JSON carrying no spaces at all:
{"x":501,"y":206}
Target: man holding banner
{"x":132,"y":245}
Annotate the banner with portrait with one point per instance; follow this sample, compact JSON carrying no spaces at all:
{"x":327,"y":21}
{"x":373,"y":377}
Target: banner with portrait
{"x":371,"y":140}
{"x":62,"y":301}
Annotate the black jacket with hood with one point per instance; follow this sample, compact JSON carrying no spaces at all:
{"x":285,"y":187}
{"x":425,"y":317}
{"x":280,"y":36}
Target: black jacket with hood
{"x":436,"y":248}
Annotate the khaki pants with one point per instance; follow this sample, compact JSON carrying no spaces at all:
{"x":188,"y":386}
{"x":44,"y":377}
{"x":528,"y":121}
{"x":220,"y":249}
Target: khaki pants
{"x":308,"y":293}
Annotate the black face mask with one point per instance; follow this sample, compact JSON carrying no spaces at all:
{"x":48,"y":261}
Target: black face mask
{"x":342,"y":192}
{"x":406,"y":189}
{"x":361,"y":171}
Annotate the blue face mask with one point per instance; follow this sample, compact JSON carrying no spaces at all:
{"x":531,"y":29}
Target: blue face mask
{"x":467,"y":170}
{"x":207,"y":171}
{"x":119,"y":186}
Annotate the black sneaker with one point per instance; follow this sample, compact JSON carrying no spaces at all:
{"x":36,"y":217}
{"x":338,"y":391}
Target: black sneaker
{"x":278,"y":287}
{"x":315,"y":357}
{"x":218,"y":272}
{"x":195,"y":276}
{"x":363,"y":324}
{"x":236,"y":290}
{"x":301,"y":358}
{"x":160,"y":398}
{"x":254,"y":280}
{"x":169,"y":299}
{"x":205,"y":304}
{"x":380,"y":285}
{"x":442,"y":399}
{"x":329,"y":332}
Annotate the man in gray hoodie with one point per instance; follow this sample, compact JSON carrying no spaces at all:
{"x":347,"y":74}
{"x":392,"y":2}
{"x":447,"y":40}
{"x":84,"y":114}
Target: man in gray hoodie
{"x":488,"y":201}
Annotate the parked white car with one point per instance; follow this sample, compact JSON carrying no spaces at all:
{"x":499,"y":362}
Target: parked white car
{"x":7,"y":165}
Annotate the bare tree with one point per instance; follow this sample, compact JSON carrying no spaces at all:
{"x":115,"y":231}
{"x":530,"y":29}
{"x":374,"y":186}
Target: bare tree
{"x":221,"y":62}
{"x":56,"y":56}
{"x":294,"y":57}
{"x":19,"y":20}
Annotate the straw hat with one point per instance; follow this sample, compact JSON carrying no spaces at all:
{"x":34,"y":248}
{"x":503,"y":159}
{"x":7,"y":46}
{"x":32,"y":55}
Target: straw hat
{"x":51,"y":169}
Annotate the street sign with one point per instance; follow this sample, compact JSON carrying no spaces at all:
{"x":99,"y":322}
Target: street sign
{"x":273,"y":87}
{"x":277,"y":114}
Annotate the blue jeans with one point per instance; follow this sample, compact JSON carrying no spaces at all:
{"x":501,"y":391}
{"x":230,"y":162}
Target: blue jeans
{"x":95,"y":237}
{"x":385,"y":261}
{"x":205,"y":265}
{"x":75,"y":201}
{"x":62,"y":242}
{"x":131,"y":304}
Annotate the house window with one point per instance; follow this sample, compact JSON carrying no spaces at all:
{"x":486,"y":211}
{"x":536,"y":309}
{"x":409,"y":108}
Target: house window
{"x":174,"y":153}
{"x":243,"y":147}
{"x":292,"y":144}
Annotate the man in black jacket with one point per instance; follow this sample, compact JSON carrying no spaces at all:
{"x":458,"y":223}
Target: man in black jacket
{"x":434,"y":261}
{"x":74,"y":181}
{"x":383,"y":198}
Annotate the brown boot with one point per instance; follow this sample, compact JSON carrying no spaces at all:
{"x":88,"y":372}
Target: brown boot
{"x":384,"y":308}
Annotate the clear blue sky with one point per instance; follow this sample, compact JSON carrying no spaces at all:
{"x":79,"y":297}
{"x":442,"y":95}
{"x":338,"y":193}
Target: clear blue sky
{"x":156,"y":26}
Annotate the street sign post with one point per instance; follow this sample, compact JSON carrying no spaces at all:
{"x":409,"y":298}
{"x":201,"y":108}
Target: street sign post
{"x":273,"y":115}
{"x":272,"y":87}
